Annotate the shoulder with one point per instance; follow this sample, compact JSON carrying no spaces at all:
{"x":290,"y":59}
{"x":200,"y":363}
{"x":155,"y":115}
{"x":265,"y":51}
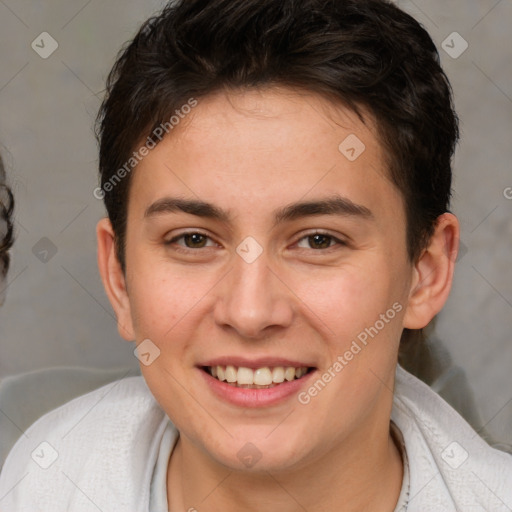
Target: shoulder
{"x":98,"y":446}
{"x":451,"y":466}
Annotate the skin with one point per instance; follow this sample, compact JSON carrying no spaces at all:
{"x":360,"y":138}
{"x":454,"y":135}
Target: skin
{"x":252,"y":153}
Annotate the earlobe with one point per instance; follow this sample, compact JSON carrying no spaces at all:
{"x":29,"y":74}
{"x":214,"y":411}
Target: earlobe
{"x":433,"y":274}
{"x":113,"y":278}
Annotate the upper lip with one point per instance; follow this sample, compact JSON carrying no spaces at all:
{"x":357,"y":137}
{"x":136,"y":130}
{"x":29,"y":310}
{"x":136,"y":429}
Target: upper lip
{"x":254,"y":363}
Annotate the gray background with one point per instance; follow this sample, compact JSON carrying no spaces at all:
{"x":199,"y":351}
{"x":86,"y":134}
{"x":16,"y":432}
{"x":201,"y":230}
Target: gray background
{"x":56,"y":312}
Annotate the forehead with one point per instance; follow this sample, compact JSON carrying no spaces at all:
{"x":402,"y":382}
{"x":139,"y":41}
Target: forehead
{"x":264,"y":148}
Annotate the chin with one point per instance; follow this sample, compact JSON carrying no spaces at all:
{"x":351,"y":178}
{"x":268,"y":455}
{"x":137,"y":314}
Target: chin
{"x":258,"y":453}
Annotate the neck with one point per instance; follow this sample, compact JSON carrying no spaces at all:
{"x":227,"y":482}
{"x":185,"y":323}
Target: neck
{"x":364,"y":473}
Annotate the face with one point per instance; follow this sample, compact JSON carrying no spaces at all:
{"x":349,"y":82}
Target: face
{"x":260,"y":237}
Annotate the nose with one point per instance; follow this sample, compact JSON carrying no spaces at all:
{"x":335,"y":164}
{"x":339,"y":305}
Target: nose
{"x":253,"y":300}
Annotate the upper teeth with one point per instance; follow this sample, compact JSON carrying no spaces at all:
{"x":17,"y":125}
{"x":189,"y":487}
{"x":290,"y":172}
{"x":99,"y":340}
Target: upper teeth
{"x":260,"y":376}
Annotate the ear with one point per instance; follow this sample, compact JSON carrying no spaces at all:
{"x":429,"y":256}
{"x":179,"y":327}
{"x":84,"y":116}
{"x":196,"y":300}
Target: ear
{"x":113,"y":278}
{"x":433,"y":274}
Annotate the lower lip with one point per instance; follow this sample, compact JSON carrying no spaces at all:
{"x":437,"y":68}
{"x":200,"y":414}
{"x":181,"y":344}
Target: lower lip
{"x":248,"y":397}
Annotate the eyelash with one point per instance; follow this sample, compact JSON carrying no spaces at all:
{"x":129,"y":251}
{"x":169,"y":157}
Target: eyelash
{"x":187,"y":233}
{"x":321,"y":233}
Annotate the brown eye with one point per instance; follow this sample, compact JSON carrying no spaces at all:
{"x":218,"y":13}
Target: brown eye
{"x":319,"y":241}
{"x":195,"y":240}
{"x":192,"y":240}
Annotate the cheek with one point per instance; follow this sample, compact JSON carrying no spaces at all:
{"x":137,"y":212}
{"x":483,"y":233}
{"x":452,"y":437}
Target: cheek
{"x":360,"y":310}
{"x":158,"y":302}
{"x":168,"y":301}
{"x":348,"y":298}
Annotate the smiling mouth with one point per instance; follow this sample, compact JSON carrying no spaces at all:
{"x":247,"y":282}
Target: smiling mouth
{"x":258,"y":378}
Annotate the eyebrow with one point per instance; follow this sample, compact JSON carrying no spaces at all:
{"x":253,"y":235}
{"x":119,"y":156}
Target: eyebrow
{"x":333,"y":205}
